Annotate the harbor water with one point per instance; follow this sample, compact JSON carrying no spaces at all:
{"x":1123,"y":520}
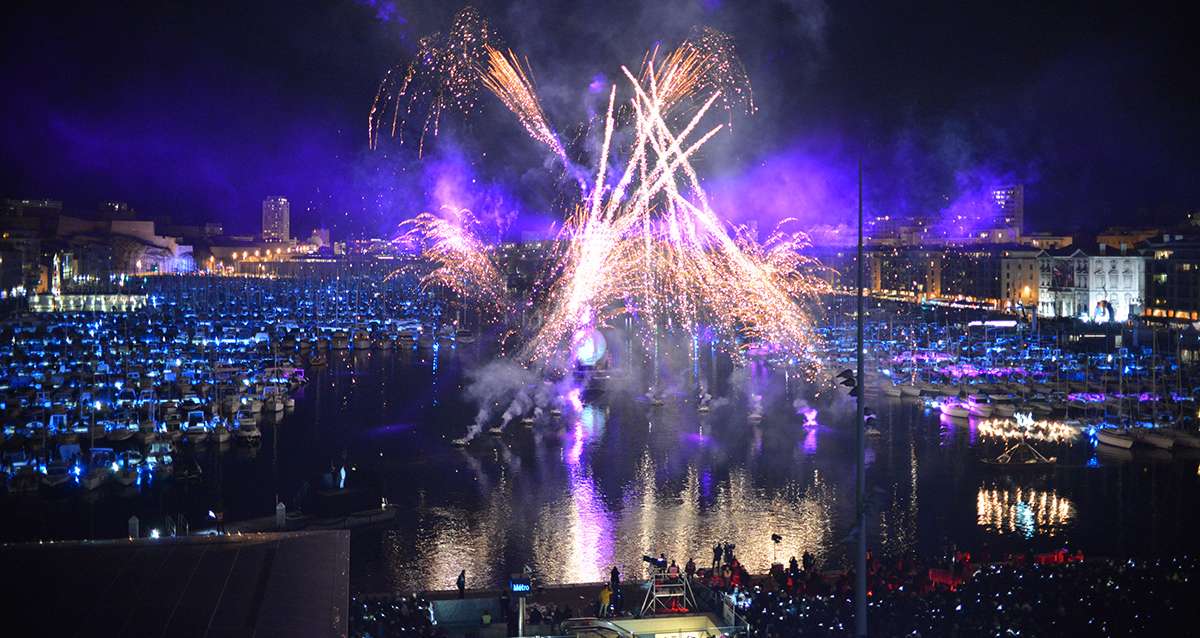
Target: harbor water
{"x":617,"y":477}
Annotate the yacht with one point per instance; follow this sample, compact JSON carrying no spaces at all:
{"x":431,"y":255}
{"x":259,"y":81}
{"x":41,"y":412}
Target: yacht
{"x":1115,"y":437}
{"x":56,"y":475}
{"x":197,"y":427}
{"x":248,"y":432}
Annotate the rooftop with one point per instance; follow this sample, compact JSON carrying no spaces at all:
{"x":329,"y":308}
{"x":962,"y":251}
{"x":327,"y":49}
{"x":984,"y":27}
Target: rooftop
{"x":285,"y":584}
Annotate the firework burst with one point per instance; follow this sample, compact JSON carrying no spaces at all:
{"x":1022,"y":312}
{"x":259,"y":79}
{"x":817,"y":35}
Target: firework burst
{"x":642,"y":241}
{"x":443,"y":76}
{"x":464,"y":264}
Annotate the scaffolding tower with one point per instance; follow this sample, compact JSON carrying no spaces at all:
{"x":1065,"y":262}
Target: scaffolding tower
{"x":668,"y":591}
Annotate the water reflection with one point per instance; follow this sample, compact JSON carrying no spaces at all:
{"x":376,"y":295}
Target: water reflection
{"x":1028,"y":512}
{"x":450,"y":539}
{"x":613,"y":479}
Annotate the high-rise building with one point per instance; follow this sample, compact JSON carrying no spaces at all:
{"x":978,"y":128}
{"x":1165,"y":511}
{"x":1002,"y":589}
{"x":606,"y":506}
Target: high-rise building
{"x":1011,"y":201}
{"x":276,"y":219}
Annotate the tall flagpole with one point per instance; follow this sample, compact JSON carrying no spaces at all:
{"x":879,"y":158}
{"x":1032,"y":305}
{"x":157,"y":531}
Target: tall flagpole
{"x":860,"y":554}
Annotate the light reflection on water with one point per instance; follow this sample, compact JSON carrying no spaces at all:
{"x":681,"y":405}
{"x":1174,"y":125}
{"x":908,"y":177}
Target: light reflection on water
{"x":616,"y":478}
{"x":1024,"y":511}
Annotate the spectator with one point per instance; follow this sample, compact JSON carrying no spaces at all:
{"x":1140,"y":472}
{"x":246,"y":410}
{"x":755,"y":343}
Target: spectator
{"x":605,"y":599}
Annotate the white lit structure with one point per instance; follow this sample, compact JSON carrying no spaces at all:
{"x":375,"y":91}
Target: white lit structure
{"x":276,"y":219}
{"x":1102,"y":286}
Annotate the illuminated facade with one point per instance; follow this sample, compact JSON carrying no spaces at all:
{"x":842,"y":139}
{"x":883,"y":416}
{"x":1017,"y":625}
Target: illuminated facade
{"x":1173,"y":280}
{"x":276,"y":219}
{"x":1020,"y":278}
{"x":1103,"y":286}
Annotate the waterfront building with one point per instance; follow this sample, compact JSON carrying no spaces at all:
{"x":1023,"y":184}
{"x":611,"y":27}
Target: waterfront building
{"x":276,"y":219}
{"x":973,"y":274}
{"x":1020,"y":276}
{"x":904,"y":272}
{"x":1172,"y":279}
{"x":1102,"y":285}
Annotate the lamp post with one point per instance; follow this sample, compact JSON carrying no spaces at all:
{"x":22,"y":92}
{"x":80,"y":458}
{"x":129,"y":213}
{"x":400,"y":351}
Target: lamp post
{"x":860,"y":554}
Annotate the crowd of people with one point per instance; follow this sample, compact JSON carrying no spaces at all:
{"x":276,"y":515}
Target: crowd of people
{"x":1057,"y":593}
{"x":1017,"y":598}
{"x":401,"y":616}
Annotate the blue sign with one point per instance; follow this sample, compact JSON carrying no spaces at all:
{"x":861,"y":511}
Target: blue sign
{"x":520,"y":585}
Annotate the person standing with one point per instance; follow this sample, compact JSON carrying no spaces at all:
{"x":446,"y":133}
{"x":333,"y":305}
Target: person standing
{"x":614,"y":583}
{"x":716,"y":564}
{"x":604,"y":600}
{"x":690,"y":568}
{"x":462,"y":584}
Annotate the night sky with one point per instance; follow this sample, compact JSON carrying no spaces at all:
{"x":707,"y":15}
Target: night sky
{"x":199,"y":110}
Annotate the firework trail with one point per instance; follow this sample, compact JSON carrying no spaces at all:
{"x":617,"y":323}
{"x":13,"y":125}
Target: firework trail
{"x":507,"y":80}
{"x":643,"y":240}
{"x":702,"y":65}
{"x":465,"y":265}
{"x":443,"y":76}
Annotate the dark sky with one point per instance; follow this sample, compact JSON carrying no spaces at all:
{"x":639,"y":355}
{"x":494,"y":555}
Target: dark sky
{"x":200,"y":109}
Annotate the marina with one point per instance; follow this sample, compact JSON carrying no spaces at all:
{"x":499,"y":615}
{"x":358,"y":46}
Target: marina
{"x":689,"y":319}
{"x":724,"y":466}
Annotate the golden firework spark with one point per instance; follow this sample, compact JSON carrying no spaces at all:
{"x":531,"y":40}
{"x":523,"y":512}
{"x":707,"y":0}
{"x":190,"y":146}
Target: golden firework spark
{"x":504,"y":76}
{"x":643,"y":241}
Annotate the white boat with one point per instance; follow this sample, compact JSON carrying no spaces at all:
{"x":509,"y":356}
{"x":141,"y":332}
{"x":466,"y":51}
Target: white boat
{"x":1152,"y":438}
{"x":495,"y":430}
{"x":982,"y":410}
{"x":245,"y":418}
{"x":196,"y":432}
{"x":1003,"y":409}
{"x":1115,"y":438}
{"x":955,"y":410}
{"x":248,"y":432}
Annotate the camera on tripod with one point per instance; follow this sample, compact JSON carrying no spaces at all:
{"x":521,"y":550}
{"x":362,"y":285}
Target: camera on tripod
{"x":659,"y":562}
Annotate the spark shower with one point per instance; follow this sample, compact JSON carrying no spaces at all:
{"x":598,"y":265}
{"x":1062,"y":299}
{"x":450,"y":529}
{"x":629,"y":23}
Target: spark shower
{"x":640,"y":237}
